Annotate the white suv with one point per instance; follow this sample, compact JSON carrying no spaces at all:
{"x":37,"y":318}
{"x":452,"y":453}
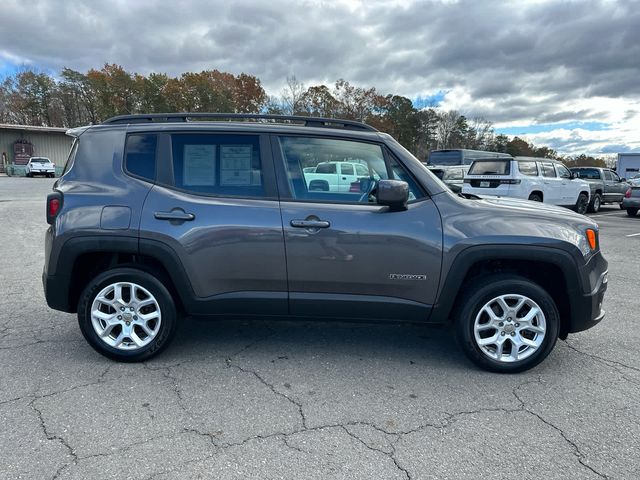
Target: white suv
{"x":40,"y":166}
{"x":537,"y":179}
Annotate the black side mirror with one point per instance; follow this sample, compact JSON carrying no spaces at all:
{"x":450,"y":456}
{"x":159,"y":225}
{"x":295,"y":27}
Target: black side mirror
{"x":393,"y":193}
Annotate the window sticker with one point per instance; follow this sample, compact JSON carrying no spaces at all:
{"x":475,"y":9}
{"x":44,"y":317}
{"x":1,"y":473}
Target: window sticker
{"x":199,"y":165}
{"x":235,"y":164}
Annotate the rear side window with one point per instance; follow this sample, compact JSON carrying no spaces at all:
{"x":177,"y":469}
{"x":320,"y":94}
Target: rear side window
{"x":548,"y":170}
{"x":140,"y":155}
{"x":72,"y":155}
{"x":608,"y":176}
{"x":221,"y":165}
{"x":346,"y":169}
{"x":528,"y":168}
{"x":490,"y":167}
{"x":326,"y":168}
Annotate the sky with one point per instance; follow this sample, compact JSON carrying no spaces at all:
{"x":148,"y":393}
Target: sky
{"x":565,"y":74}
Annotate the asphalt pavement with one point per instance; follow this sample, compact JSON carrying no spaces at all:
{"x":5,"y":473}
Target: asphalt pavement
{"x":302,"y":400}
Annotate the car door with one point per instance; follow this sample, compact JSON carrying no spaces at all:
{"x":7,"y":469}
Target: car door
{"x":568,"y":187}
{"x":346,"y":255}
{"x":215,"y":208}
{"x":552,"y":184}
{"x":615,"y":188}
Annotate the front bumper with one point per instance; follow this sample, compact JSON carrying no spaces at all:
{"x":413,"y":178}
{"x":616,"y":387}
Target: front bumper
{"x":586,"y":308}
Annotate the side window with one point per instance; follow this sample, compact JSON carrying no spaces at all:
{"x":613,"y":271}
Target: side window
{"x":140,"y":155}
{"x":346,"y":169}
{"x":607,"y":176}
{"x":547,"y":169}
{"x":528,"y":168}
{"x":306,"y":158}
{"x":361,"y":170}
{"x":563,"y":172}
{"x":614,"y":176}
{"x":72,"y":155}
{"x":223,"y":165}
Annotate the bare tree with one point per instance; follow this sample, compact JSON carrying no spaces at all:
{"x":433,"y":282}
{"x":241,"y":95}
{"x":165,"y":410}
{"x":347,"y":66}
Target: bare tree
{"x":446,"y":127}
{"x":292,"y":96}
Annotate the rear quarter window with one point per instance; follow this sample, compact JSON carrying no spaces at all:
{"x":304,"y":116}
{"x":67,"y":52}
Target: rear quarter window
{"x":491,"y":167}
{"x":140,"y":155}
{"x":528,"y":168}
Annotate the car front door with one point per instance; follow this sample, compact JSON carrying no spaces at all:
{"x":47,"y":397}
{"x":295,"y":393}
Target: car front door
{"x":552,"y":184}
{"x":215,"y":208}
{"x":346,"y":255}
{"x":568,"y":187}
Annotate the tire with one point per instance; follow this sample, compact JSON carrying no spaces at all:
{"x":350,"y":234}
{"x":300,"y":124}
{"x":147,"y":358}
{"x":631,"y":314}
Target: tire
{"x":472,"y":317}
{"x":595,"y":204}
{"x":632,"y":212}
{"x":125,"y":317}
{"x":582,"y":204}
{"x":621,"y":206}
{"x":29,"y":175}
{"x":535,"y":197}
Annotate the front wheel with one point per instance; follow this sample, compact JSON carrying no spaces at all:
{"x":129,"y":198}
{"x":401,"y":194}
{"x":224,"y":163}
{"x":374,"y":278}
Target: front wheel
{"x":127,"y":315}
{"x":508,"y":324}
{"x":582,"y":204}
{"x":535,"y":197}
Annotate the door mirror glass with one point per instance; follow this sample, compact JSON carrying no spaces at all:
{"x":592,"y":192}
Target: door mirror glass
{"x":393,"y":193}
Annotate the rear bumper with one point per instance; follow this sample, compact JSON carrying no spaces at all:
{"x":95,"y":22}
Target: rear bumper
{"x":633,"y":202}
{"x":586,"y":308}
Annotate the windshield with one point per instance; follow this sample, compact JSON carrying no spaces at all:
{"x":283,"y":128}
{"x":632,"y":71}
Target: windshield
{"x":587,"y":173}
{"x":490,"y":167}
{"x":445,"y":158}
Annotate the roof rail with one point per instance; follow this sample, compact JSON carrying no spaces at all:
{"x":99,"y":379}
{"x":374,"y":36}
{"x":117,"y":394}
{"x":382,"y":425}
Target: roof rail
{"x":184,"y":117}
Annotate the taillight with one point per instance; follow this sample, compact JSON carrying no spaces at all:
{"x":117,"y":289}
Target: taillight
{"x":355,"y":187}
{"x":54,"y":203}
{"x":627,"y":194}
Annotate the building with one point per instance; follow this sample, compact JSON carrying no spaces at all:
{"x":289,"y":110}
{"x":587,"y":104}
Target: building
{"x":20,"y":142}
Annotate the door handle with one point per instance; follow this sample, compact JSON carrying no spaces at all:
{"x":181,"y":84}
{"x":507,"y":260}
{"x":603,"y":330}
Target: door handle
{"x":175,"y":215}
{"x":310,"y":224}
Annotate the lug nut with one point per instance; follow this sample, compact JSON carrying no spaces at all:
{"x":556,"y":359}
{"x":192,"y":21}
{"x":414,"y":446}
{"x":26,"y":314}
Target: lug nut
{"x":502,"y":333}
{"x":502,"y":324}
{"x":131,"y":308}
{"x":128,"y":323}
{"x":517,"y":324}
{"x":135,"y":317}
{"x":122,"y":309}
{"x":513,"y":334}
{"x":119,"y":317}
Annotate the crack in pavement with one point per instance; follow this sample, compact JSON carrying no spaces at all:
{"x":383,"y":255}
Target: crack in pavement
{"x":610,"y":363}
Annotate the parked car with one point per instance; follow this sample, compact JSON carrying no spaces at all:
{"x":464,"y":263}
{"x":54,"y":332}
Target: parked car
{"x":156,"y":217}
{"x":453,"y":177}
{"x":606,"y":185}
{"x":631,"y":200}
{"x":40,"y":166}
{"x":335,"y":176}
{"x":529,"y":178}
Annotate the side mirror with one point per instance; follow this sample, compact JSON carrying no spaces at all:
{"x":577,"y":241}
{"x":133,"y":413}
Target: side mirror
{"x":393,"y":193}
{"x":622,"y":179}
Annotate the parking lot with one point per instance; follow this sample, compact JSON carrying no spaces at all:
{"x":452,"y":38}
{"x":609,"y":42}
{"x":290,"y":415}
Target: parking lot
{"x":263,"y":400}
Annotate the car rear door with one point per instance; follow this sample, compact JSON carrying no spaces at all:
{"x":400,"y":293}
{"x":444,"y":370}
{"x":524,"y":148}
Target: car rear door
{"x":214,"y":209}
{"x":615,"y":188}
{"x":553,"y":191}
{"x":346,"y":255}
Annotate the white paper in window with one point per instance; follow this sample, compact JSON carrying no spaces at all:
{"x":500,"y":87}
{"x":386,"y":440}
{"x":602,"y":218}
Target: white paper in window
{"x":199,"y":165}
{"x":235,"y":164}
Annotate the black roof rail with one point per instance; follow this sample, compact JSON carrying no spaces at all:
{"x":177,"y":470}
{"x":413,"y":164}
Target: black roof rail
{"x":184,"y":117}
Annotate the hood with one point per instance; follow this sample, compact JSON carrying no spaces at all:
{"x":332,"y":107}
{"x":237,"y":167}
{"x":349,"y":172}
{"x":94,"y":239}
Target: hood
{"x":525,"y":206}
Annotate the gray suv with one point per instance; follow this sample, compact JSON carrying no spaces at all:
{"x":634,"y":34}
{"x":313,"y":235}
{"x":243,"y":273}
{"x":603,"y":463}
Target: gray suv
{"x":165,"y":215}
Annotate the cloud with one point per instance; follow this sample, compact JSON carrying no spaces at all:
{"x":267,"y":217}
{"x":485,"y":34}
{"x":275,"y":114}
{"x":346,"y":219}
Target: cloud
{"x":526,"y":62}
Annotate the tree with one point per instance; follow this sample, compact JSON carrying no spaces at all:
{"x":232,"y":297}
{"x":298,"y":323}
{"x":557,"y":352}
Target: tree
{"x":292,"y":96}
{"x":319,"y":101}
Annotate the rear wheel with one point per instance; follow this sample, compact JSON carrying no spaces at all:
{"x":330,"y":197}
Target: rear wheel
{"x":508,"y":324}
{"x":632,"y":212}
{"x":127,"y":315}
{"x":582,"y":203}
{"x":535,"y":197}
{"x":595,"y":204}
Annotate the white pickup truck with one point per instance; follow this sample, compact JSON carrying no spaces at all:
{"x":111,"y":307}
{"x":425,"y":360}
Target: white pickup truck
{"x":335,"y":176}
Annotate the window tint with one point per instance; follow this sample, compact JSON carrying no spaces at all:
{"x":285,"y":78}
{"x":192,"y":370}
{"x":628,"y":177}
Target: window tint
{"x":346,"y":169}
{"x":587,"y":173}
{"x":324,"y":184}
{"x":140,"y":156}
{"x":227,"y":165}
{"x":547,"y":169}
{"x":490,"y":167}
{"x":563,"y":172}
{"x":607,"y":175}
{"x":528,"y":168}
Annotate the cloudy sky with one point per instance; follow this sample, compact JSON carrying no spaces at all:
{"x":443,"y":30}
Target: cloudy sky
{"x":562,"y":73}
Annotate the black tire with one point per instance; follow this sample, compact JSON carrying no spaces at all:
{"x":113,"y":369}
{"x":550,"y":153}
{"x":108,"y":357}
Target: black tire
{"x":535,"y":197}
{"x":582,"y":204}
{"x":595,"y":204}
{"x":29,"y":175}
{"x":632,"y":212}
{"x":486,"y":290}
{"x":621,"y":206}
{"x":149,"y":282}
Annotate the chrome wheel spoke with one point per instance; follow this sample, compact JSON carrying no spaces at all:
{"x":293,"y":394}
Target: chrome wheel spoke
{"x":489,"y":340}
